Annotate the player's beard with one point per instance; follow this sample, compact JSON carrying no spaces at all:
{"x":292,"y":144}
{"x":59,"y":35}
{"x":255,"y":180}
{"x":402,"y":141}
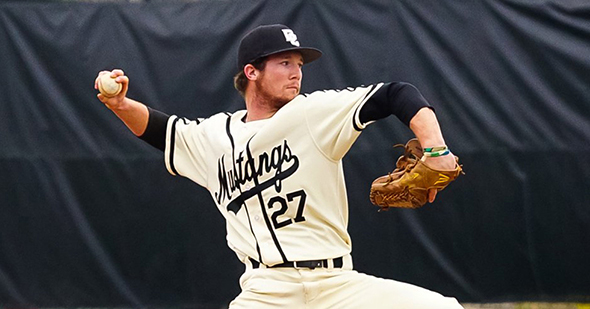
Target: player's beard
{"x":272,"y":100}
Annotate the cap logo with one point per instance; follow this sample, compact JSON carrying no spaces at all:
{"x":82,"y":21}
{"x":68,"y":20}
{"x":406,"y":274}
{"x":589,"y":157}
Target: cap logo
{"x":291,"y":37}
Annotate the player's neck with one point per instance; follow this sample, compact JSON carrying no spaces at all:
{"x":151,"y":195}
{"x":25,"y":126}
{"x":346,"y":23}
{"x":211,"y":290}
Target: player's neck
{"x":254,"y":116}
{"x":259,"y":108}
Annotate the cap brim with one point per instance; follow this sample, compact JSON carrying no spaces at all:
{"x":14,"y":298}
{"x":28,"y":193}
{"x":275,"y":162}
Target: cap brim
{"x":309,"y":54}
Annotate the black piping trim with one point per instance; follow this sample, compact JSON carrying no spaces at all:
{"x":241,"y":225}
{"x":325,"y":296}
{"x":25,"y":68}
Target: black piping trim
{"x":354,"y":124}
{"x":265,"y":214}
{"x":357,"y":111}
{"x":269,"y":226}
{"x":233,"y":150}
{"x":172,"y":141}
{"x":231,"y":138}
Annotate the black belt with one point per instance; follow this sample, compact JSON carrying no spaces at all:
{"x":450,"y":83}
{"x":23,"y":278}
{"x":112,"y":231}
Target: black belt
{"x":302,"y":264}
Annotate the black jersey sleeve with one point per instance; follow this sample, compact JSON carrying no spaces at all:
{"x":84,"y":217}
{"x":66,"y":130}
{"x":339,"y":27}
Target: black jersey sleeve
{"x":155,"y":133}
{"x":398,"y":98}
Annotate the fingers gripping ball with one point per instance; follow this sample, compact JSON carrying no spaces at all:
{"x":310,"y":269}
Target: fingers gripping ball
{"x":108,"y":86}
{"x":407,"y":186}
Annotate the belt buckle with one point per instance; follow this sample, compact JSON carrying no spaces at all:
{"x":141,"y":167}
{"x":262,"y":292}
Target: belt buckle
{"x":310,"y":265}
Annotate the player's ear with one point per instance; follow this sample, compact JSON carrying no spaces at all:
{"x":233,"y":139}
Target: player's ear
{"x":251,"y":72}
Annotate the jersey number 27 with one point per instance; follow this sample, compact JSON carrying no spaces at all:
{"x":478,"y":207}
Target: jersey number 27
{"x":281,"y":205}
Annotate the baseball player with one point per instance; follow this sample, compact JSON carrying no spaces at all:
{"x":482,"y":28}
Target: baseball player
{"x":275,"y":173}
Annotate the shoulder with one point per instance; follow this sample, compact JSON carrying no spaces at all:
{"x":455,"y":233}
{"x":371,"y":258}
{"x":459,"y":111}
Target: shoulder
{"x":216,"y":119}
{"x":327,"y":94}
{"x":219,"y":117}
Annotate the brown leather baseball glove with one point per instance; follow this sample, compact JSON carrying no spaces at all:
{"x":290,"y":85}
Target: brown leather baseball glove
{"x":407,"y":186}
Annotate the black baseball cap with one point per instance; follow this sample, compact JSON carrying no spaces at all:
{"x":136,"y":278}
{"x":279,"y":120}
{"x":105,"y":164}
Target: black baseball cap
{"x":266,"y":40}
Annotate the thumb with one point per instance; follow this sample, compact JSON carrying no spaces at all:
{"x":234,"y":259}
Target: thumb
{"x":432,"y":195}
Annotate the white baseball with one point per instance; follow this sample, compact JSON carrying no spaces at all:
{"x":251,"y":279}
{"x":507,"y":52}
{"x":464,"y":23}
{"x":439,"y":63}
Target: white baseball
{"x":108,"y":86}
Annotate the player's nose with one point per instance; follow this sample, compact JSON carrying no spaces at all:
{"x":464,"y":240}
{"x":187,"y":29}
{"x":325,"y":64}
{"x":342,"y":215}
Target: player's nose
{"x":296,"y":73}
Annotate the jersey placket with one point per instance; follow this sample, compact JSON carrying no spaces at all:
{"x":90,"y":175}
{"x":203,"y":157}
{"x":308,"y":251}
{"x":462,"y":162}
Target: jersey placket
{"x":267,"y":244}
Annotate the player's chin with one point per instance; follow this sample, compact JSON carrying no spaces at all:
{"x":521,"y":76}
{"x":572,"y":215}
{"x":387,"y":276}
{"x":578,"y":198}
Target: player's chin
{"x":291,"y":93}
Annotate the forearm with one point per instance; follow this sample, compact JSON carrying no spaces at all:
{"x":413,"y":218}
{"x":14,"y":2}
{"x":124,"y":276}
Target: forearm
{"x":405,"y":102}
{"x":426,"y":128}
{"x":134,"y":115}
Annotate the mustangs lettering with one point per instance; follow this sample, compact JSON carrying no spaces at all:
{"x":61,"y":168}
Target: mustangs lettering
{"x":250,"y":169}
{"x":277,"y":181}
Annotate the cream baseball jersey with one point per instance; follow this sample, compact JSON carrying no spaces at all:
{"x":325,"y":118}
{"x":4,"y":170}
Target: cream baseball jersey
{"x":278,"y":182}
